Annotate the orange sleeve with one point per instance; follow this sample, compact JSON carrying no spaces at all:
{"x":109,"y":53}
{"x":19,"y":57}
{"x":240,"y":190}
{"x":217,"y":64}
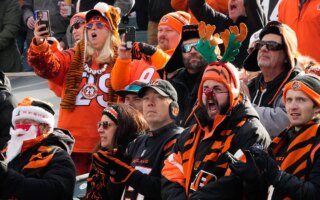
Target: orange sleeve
{"x":219,"y":5}
{"x":47,"y":64}
{"x":159,"y":59}
{"x":180,"y":5}
{"x":57,"y":89}
{"x":120,"y":74}
{"x":173,"y":169}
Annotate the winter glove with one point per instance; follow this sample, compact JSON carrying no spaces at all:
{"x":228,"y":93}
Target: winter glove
{"x":248,"y":171}
{"x":3,"y":170}
{"x":120,"y":170}
{"x":142,"y":50}
{"x":267,"y":165}
{"x":100,"y":163}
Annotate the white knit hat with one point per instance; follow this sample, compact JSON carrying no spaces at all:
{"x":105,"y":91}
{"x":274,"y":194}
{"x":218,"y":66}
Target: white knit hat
{"x":34,"y":109}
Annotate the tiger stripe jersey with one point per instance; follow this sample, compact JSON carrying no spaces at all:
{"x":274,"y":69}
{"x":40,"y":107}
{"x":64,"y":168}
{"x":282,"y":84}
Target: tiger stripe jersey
{"x":199,"y":161}
{"x":297,"y":153}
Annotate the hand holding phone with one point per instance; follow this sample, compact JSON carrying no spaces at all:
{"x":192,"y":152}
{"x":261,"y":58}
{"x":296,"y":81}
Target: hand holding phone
{"x":130,"y":36}
{"x":43,"y":18}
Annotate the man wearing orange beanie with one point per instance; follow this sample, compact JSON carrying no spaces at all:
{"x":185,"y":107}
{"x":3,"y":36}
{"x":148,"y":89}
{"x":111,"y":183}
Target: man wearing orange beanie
{"x":148,"y":59}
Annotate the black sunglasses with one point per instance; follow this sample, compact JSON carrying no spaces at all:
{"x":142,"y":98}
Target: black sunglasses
{"x":104,"y":124}
{"x":271,"y":45}
{"x":77,"y":25}
{"x":186,"y":48}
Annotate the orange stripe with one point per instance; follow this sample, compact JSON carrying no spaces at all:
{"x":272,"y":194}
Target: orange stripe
{"x":294,"y":156}
{"x":39,"y":163}
{"x":302,"y":138}
{"x":169,"y":144}
{"x":227,"y":144}
{"x":313,"y":152}
{"x":300,"y":167}
{"x":171,"y":172}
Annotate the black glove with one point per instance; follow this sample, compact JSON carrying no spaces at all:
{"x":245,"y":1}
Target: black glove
{"x":3,"y":170}
{"x":248,"y":171}
{"x":120,"y":170}
{"x":267,"y":165}
{"x":142,"y":50}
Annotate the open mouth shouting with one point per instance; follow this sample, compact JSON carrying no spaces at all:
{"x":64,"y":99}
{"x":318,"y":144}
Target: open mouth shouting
{"x":212,"y":107}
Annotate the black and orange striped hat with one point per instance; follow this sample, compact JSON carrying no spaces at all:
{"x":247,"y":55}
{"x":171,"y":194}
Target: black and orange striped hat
{"x":226,"y":74}
{"x":307,"y":83}
{"x":112,"y":111}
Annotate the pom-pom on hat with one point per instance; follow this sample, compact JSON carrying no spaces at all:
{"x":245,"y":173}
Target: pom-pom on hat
{"x":110,"y":13}
{"x":34,"y":109}
{"x":176,"y":20}
{"x":307,"y":83}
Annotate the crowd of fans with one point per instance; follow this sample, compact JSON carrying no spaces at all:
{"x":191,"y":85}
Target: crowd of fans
{"x":219,"y":104}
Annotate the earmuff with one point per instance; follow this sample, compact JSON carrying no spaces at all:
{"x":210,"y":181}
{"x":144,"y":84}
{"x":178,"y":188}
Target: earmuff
{"x":174,"y":110}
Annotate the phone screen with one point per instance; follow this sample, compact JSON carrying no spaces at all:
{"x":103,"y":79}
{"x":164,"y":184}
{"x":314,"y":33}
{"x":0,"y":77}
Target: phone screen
{"x":44,"y":18}
{"x":130,"y":36}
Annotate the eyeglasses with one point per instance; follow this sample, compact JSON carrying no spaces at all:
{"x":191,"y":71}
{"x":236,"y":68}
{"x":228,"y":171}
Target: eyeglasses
{"x":210,"y":91}
{"x":104,"y":124}
{"x":77,"y":25}
{"x":186,"y":48}
{"x":271,"y":45}
{"x":99,"y":25}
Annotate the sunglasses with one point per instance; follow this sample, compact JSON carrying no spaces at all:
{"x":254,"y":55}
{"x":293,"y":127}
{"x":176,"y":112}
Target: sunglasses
{"x":104,"y":124}
{"x":186,"y":48}
{"x":77,"y":25}
{"x":99,"y":25}
{"x":271,"y":45}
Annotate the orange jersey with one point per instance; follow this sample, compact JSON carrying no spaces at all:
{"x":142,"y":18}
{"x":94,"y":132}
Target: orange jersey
{"x":126,"y":71}
{"x":91,"y":99}
{"x":305,"y":22}
{"x":217,"y":5}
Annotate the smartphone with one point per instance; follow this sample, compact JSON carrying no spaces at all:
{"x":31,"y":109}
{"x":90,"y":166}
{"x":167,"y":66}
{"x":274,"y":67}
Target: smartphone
{"x":44,"y":18}
{"x":130,"y":36}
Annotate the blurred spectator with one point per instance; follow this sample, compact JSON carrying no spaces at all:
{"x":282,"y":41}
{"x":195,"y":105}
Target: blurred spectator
{"x":119,"y":125}
{"x":303,"y":16}
{"x":130,"y":94}
{"x":275,"y":54}
{"x":124,"y":5}
{"x":187,"y":65}
{"x":38,"y":163}
{"x":7,"y":104}
{"x":143,"y":61}
{"x":218,"y":5}
{"x":156,"y":10}
{"x":58,"y":22}
{"x":238,"y":11}
{"x":84,"y":75}
{"x":9,"y":28}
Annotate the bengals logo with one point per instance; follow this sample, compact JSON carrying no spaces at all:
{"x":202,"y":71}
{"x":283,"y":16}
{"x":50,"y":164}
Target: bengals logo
{"x":202,"y":179}
{"x":296,"y":85}
{"x":164,"y":19}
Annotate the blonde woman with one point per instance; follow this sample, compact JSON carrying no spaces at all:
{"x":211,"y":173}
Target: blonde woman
{"x":84,"y":75}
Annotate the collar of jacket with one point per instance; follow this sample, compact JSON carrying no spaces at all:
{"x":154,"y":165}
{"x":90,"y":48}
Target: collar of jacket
{"x":162,"y":129}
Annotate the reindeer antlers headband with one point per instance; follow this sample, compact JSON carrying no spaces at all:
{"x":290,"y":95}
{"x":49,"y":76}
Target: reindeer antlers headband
{"x":232,"y":39}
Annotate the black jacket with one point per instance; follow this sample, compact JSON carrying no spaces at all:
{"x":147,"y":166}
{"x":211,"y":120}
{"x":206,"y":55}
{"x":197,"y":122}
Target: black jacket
{"x":254,"y":20}
{"x":44,"y":171}
{"x":207,"y":178}
{"x":187,"y":86}
{"x":7,"y":104}
{"x":148,"y":153}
